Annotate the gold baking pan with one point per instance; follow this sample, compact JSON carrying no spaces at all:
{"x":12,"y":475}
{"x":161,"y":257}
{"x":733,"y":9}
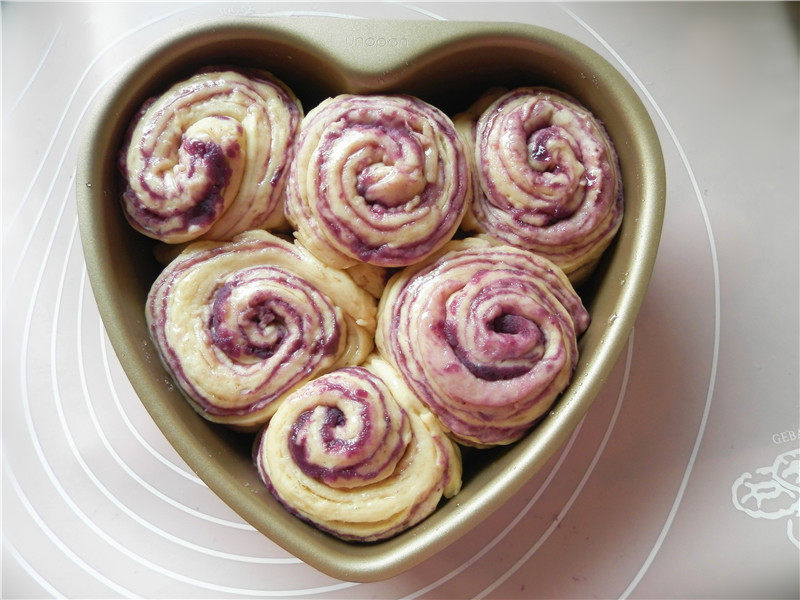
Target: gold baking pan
{"x":448,"y":64}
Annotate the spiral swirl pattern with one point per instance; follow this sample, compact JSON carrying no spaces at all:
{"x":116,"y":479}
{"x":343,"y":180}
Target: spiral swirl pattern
{"x":357,"y":455}
{"x":240,"y":325}
{"x":485,"y":335}
{"x":209,"y":156}
{"x":547,"y":176}
{"x":377,"y":179}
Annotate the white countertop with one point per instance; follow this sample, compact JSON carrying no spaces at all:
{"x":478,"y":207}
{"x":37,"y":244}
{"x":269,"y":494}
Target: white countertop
{"x":647,"y":499}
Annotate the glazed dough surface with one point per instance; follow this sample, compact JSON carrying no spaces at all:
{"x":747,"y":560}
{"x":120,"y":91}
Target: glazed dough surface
{"x":241,"y":324}
{"x":382,"y":180}
{"x":485,"y":335}
{"x":208,"y":158}
{"x":356,"y":454}
{"x":546,"y":175}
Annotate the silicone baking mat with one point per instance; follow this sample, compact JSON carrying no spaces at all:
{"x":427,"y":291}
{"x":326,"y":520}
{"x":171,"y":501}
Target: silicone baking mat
{"x":678,"y":483}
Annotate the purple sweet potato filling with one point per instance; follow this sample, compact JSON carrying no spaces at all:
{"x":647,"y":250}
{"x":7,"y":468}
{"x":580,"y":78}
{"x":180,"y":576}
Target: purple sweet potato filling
{"x":334,"y":417}
{"x":209,"y":157}
{"x":488,"y":372}
{"x":208,"y":160}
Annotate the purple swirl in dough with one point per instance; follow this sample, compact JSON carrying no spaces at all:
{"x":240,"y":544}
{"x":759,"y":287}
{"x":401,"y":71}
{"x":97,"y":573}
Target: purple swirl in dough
{"x":208,"y":158}
{"x":376,"y":179}
{"x":353,"y":453}
{"x":241,"y":324}
{"x":485,"y":335}
{"x":547,"y":176}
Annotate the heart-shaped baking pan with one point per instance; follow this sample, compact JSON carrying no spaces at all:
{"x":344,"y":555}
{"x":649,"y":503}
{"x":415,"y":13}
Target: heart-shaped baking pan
{"x":448,"y":64}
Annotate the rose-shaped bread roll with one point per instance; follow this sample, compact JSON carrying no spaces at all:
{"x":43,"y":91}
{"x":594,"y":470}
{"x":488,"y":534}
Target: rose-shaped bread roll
{"x":356,"y":454}
{"x":209,"y":157}
{"x":377,"y":179}
{"x":485,"y":335}
{"x":241,"y":324}
{"x":547,"y":176}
